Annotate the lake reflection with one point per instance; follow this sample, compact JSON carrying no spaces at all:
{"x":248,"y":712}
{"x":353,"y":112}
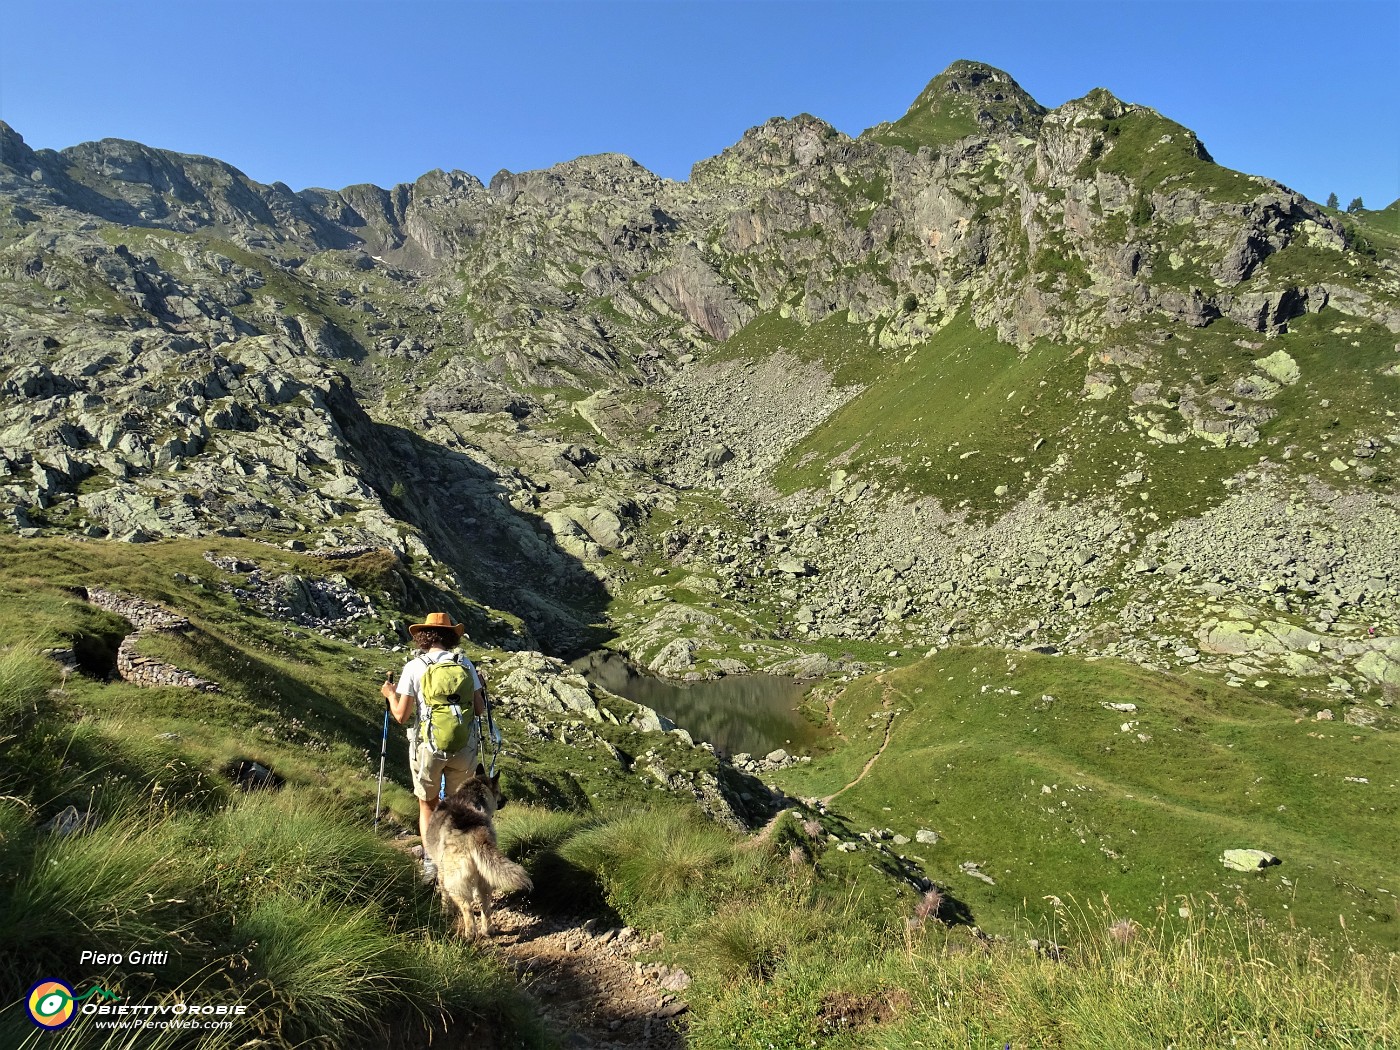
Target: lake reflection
{"x":756,"y":713}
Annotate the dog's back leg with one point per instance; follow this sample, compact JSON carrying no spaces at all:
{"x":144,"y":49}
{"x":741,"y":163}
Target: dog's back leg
{"x":482,"y":891}
{"x":453,"y":910}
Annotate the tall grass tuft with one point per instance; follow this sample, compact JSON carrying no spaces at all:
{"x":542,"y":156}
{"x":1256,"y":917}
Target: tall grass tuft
{"x":319,"y":972}
{"x":535,"y":837}
{"x":456,"y":988}
{"x":16,"y":836}
{"x":526,"y":832}
{"x":115,"y":884}
{"x":752,"y":938}
{"x":651,"y":856}
{"x":19,"y":1032}
{"x":290,"y":842}
{"x":25,"y":677}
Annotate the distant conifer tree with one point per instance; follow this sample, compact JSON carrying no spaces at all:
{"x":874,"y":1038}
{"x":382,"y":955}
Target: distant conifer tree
{"x":1355,"y":205}
{"x":1332,"y":201}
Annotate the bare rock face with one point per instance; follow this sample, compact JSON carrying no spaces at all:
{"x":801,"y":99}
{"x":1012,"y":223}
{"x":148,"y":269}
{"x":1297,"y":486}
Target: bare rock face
{"x":690,"y":289}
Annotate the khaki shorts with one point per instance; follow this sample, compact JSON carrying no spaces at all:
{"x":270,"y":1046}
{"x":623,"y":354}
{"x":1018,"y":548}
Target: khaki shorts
{"x":428,"y":768}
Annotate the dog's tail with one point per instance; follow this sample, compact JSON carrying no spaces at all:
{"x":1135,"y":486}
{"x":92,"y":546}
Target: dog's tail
{"x":502,"y":873}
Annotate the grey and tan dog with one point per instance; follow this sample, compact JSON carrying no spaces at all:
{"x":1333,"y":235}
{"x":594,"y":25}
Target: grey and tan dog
{"x":462,"y":841}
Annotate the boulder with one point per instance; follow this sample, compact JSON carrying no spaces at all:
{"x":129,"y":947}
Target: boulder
{"x":717,"y":455}
{"x":1248,"y":859}
{"x":1234,"y":637}
{"x":1280,"y":366}
{"x":1381,"y":668}
{"x":1291,"y":637}
{"x":812,"y":665}
{"x":675,"y":658}
{"x":795,"y":567}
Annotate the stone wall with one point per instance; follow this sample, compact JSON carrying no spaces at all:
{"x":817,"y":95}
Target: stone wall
{"x":147,"y":617}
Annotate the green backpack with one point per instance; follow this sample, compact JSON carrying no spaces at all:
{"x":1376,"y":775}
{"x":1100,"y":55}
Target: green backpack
{"x":444,"y":689}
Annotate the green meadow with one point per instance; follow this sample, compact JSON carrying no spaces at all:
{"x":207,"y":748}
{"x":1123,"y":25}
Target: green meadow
{"x":1110,"y":919}
{"x":1017,"y":765}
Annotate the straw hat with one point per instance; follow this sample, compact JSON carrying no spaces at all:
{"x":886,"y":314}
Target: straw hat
{"x":442,"y":620}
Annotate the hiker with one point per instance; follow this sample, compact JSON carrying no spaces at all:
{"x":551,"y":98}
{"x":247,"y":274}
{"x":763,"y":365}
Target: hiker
{"x":442,"y":741}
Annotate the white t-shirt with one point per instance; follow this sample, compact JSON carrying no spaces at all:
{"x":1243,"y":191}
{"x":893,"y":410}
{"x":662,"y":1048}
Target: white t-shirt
{"x":412,"y":678}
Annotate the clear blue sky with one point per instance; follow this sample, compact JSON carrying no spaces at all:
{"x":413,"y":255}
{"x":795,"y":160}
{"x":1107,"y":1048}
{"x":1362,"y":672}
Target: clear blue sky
{"x":330,"y":93}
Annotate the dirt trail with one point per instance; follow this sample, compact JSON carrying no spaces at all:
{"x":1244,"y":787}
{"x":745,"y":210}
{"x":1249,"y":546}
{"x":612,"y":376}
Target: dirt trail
{"x":869,"y":765}
{"x":584,"y":975}
{"x":587,"y":983}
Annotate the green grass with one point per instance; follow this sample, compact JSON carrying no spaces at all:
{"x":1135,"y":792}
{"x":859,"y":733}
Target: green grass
{"x":1185,"y":983}
{"x":912,"y":425}
{"x":1134,"y":147}
{"x":655,"y":853}
{"x":287,"y":900}
{"x":1385,"y":219}
{"x":939,"y":117}
{"x":1136,"y":820}
{"x":314,"y":924}
{"x":962,"y":413}
{"x":787,"y":953}
{"x":290,"y":901}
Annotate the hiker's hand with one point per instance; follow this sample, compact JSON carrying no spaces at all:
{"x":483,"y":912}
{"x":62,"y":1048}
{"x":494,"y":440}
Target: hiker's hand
{"x":387,"y":689}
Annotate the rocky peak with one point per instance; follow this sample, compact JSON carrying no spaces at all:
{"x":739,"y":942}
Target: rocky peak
{"x":14,"y":153}
{"x":131,"y":184}
{"x":775,"y":152}
{"x":601,"y":174}
{"x":27,"y":174}
{"x":967,"y":98}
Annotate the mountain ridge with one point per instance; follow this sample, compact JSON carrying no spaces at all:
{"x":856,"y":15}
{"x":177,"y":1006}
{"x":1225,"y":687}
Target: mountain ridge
{"x":1057,"y":460}
{"x":547,"y":343}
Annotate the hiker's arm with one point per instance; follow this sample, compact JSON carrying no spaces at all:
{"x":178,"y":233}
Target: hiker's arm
{"x":479,"y":693}
{"x":400,"y":704}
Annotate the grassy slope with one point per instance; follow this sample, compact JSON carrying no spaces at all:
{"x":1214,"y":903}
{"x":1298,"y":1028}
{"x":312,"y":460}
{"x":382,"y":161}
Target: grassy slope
{"x":181,"y":862}
{"x":287,"y":900}
{"x":965,"y":392}
{"x":1142,"y":822}
{"x":792,"y":943}
{"x":916,"y":420}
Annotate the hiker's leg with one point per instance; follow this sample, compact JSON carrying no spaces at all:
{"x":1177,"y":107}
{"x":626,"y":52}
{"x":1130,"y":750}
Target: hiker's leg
{"x":426,"y":772}
{"x":456,"y":771}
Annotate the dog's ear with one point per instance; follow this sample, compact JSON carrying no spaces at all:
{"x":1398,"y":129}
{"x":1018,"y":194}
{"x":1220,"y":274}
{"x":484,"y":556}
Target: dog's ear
{"x":480,"y":770}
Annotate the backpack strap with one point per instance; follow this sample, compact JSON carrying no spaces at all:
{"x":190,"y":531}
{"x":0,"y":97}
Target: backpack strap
{"x":422,"y":707}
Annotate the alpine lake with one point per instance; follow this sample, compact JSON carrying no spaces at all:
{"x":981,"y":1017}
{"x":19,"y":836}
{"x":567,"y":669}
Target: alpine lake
{"x":750,"y":713}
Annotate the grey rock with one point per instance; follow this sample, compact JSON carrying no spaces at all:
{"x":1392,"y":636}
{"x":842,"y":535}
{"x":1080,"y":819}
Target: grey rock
{"x":1248,"y":859}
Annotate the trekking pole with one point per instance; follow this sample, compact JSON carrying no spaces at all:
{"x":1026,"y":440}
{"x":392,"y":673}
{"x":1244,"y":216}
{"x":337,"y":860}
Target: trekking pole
{"x":383,"y":750}
{"x":491,"y":728}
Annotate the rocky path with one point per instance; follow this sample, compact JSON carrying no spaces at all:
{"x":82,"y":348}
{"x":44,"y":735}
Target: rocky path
{"x":589,"y":986}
